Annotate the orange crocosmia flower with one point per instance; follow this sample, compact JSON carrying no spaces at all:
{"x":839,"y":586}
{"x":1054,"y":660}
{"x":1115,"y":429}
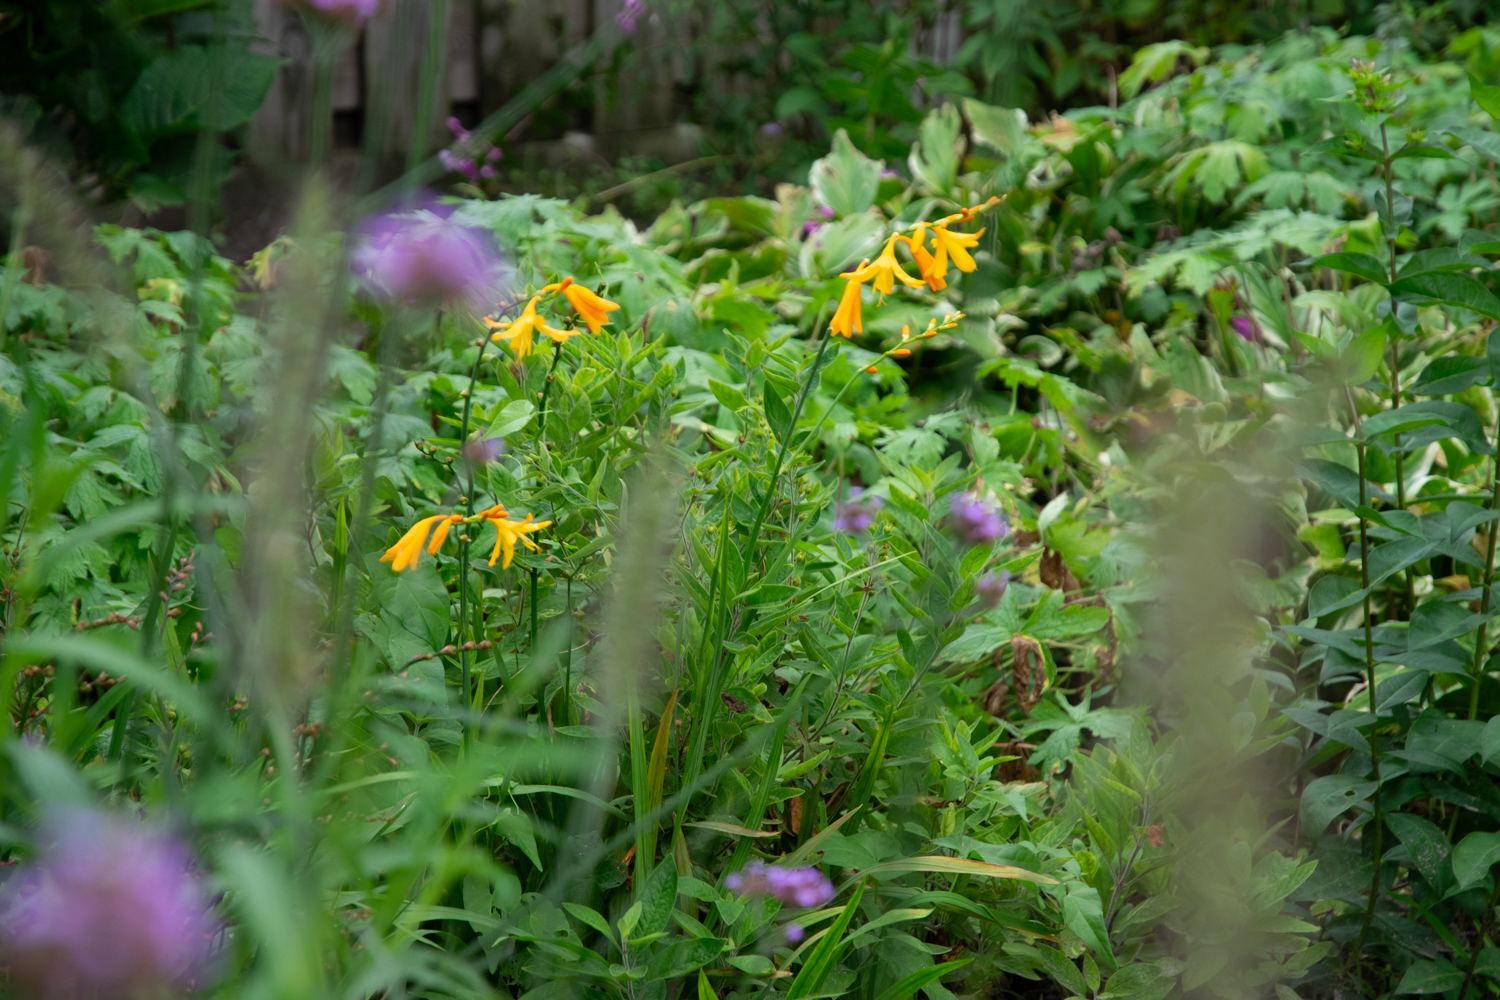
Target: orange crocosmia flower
{"x":926,"y":263}
{"x":404,"y":553}
{"x":507,"y":533}
{"x":954,"y":245}
{"x":517,"y":333}
{"x":592,"y":309}
{"x":883,"y":271}
{"x":846,"y":319}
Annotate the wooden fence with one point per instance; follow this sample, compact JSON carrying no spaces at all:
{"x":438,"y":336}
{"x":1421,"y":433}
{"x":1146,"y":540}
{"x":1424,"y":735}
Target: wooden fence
{"x":494,"y":48}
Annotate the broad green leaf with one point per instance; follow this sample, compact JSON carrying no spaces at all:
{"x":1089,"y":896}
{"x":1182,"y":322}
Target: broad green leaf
{"x":1361,"y":265}
{"x":1430,"y":976}
{"x":657,"y":897}
{"x":1489,"y":740}
{"x":1486,"y":144}
{"x":1152,"y":64}
{"x":845,"y":180}
{"x":1001,"y":129}
{"x":934,"y":156}
{"x":1361,"y":359}
{"x":1428,"y":846}
{"x":729,"y":396}
{"x":1083,"y":913}
{"x":1330,"y":796}
{"x":218,"y":87}
{"x":1450,"y":289}
{"x":515,"y":415}
{"x":681,"y":957}
{"x":1448,"y":375}
{"x":1485,"y":95}
{"x":1473,"y":857}
{"x":1061,"y":969}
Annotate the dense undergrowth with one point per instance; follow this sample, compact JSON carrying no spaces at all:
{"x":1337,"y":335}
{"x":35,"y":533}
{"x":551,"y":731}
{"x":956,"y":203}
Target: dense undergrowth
{"x":1213,"y":715}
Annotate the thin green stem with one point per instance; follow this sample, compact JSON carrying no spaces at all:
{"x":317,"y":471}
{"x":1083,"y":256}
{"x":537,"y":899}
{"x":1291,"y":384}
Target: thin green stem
{"x":1481,"y":644}
{"x":1376,"y":819}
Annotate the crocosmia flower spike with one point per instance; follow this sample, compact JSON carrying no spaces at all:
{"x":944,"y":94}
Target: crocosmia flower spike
{"x":403,"y":555}
{"x":592,"y":309}
{"x":507,"y":533}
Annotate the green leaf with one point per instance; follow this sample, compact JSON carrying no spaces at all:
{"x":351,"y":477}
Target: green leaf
{"x":1001,"y":129}
{"x":1486,"y":144}
{"x":1423,"y":151}
{"x":1485,"y":95}
{"x":1489,"y":740}
{"x":934,"y":156}
{"x":515,"y":415}
{"x":1327,"y":797}
{"x":581,"y":913}
{"x":1451,"y":289}
{"x":1061,"y":969}
{"x":755,"y":965}
{"x":657,"y":898}
{"x":958,"y":866}
{"x":1450,"y":375}
{"x":218,"y":87}
{"x":778,"y":415}
{"x":1141,"y":981}
{"x":1430,"y":976}
{"x":815,"y":970}
{"x":1362,"y":357}
{"x":1427,"y":845}
{"x":1083,"y":913}
{"x":845,"y":180}
{"x":1359,"y":264}
{"x":1473,"y":857}
{"x":1153,"y":63}
{"x":908,"y":985}
{"x":728,"y":396}
{"x":681,"y":957}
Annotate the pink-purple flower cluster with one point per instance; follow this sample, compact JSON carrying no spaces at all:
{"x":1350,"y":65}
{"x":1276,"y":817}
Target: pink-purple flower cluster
{"x":472,"y":168}
{"x":991,"y":587}
{"x":632,"y":12}
{"x":425,"y":256}
{"x":976,"y":520}
{"x":803,"y":887}
{"x":856,"y":513}
{"x":109,"y":909}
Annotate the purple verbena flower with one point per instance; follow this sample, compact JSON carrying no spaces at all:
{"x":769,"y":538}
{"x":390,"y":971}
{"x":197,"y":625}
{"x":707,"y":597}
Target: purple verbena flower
{"x":627,"y":17}
{"x":483,"y":451}
{"x":352,"y":11}
{"x":976,"y":520}
{"x":458,"y":164}
{"x":856,"y":513}
{"x":991,"y":587}
{"x":801,"y":887}
{"x":424,"y":256}
{"x":457,"y":128}
{"x":110,"y":908}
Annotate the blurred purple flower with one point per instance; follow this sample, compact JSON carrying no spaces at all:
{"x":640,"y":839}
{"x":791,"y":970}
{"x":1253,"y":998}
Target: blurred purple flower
{"x":856,"y":513}
{"x":627,"y":17}
{"x":1245,"y":329}
{"x":889,"y":175}
{"x":991,"y":587}
{"x":353,"y":11}
{"x":809,"y":227}
{"x":109,"y":909}
{"x":772,"y":129}
{"x":976,"y":520}
{"x":424,"y":256}
{"x":803,"y":887}
{"x":826,"y":211}
{"x":794,"y":933}
{"x":458,"y":164}
{"x":483,"y":451}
